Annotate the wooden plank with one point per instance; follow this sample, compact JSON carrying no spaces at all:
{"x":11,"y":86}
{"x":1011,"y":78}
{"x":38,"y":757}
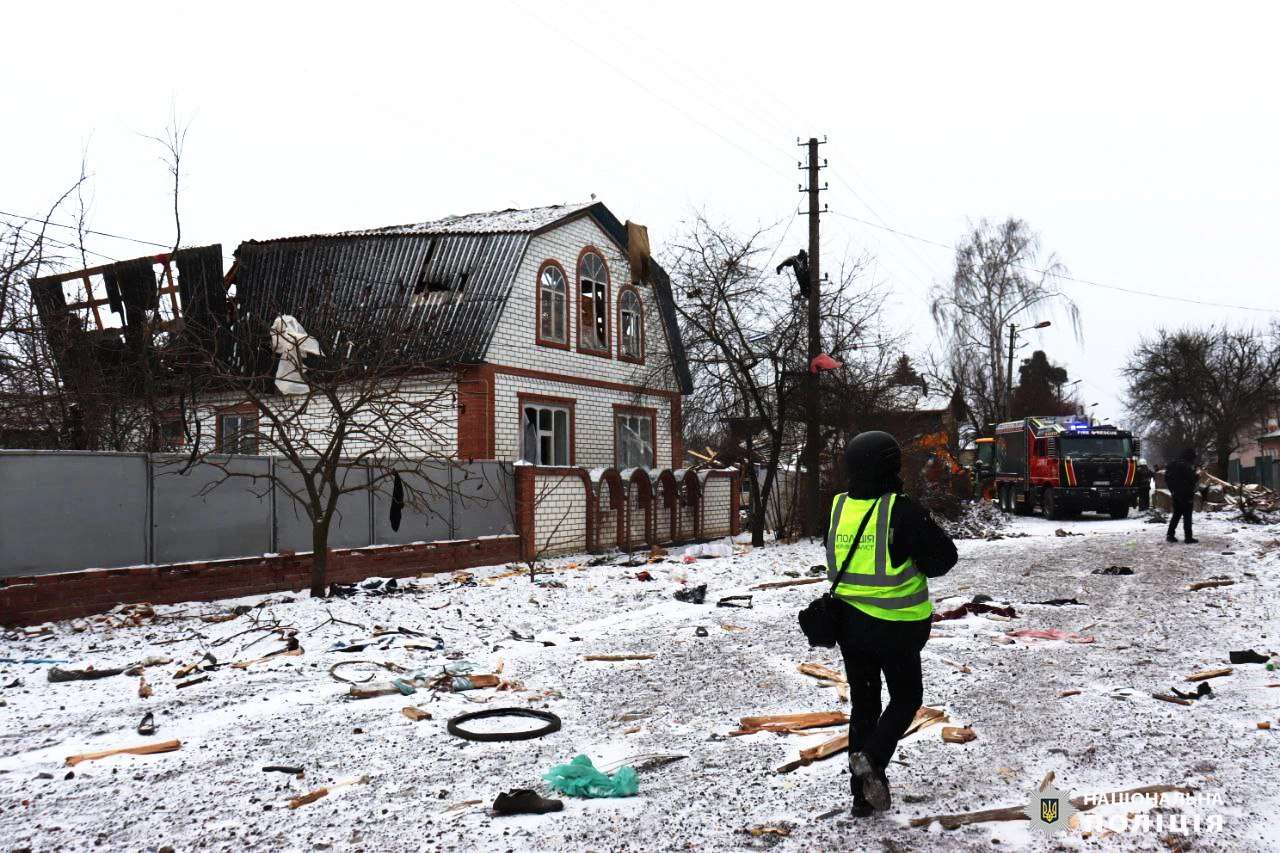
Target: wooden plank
{"x":924,"y":718}
{"x":1165,"y":697}
{"x":1205,"y":674}
{"x":619,"y":657}
{"x":823,"y":750}
{"x":1210,"y":583}
{"x":789,"y":722}
{"x":956,"y":734}
{"x":817,"y":670}
{"x":794,"y":582}
{"x":145,"y":749}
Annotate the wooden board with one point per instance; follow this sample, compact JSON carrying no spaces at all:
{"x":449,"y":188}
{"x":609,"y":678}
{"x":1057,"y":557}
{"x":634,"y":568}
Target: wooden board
{"x":145,"y":749}
{"x":1209,"y":673}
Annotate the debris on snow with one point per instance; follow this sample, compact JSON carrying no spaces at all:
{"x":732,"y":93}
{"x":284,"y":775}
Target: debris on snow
{"x":145,"y":749}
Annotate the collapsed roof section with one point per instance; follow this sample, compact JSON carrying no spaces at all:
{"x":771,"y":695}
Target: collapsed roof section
{"x":107,"y":317}
{"x":433,"y":292}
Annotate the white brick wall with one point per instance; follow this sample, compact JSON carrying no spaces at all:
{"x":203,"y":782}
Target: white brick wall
{"x":717,"y":503}
{"x":513,"y":346}
{"x":513,"y":342}
{"x":606,"y":519}
{"x":420,"y":416}
{"x":593,"y":418}
{"x":560,"y":513}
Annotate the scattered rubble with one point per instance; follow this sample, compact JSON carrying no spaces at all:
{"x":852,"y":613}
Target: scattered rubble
{"x":976,"y":520}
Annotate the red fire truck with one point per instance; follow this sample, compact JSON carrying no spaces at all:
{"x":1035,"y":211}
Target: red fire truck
{"x":1064,"y":467}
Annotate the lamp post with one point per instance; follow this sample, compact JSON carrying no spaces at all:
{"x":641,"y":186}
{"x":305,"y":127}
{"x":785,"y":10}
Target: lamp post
{"x":1013,"y":334}
{"x":1063,"y":396}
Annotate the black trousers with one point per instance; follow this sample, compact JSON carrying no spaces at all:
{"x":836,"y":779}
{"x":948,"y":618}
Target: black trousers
{"x":872,"y":647}
{"x":1182,"y":510}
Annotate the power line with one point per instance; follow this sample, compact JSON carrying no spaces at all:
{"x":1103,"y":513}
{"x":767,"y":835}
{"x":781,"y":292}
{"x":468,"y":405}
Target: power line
{"x":1065,"y":277}
{"x":86,"y":230}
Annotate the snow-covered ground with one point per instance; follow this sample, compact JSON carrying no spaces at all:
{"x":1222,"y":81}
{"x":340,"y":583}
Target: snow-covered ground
{"x":212,"y":793}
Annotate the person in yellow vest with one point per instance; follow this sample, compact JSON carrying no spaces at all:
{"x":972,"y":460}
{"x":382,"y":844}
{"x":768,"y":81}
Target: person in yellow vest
{"x":882,"y":545}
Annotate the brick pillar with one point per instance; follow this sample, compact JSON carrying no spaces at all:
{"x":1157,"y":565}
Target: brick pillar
{"x":526,"y":525}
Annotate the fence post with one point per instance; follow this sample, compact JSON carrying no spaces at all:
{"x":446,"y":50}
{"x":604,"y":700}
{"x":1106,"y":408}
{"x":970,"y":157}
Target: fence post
{"x":149,"y":469}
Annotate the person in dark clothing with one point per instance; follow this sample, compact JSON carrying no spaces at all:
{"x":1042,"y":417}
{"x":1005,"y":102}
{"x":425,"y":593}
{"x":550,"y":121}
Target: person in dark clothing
{"x":1180,"y":476}
{"x":885,"y":623}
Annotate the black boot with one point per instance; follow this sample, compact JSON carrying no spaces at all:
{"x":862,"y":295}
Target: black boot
{"x":875,"y":787}
{"x":861,"y":808}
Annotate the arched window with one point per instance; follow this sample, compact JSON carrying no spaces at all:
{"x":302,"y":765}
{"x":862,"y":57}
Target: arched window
{"x":630,"y":325}
{"x":593,"y":318}
{"x":552,"y":305}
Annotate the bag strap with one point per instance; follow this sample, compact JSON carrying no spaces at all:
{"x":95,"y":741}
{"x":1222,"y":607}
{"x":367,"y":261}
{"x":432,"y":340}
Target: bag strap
{"x":854,"y":547}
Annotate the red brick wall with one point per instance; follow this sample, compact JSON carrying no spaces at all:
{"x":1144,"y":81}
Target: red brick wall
{"x":31,"y":600}
{"x":475,"y":413}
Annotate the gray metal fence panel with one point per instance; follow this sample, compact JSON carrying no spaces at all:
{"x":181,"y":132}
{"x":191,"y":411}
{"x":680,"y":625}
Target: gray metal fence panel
{"x":63,"y":511}
{"x":350,"y":528}
{"x":427,"y":511}
{"x":485,"y":499}
{"x":210,"y":512}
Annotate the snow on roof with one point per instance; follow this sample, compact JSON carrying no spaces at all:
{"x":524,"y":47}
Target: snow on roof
{"x":491,"y":222}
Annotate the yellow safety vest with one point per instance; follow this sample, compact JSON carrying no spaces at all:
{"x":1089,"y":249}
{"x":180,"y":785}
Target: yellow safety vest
{"x":897,"y":593}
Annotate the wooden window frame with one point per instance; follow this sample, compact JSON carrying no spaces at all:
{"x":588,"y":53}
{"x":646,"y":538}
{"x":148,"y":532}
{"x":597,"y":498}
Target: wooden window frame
{"x":622,"y":355}
{"x":606,"y":351}
{"x":537,"y":308}
{"x":171,"y":417}
{"x":620,"y":410}
{"x":243,"y":409}
{"x":568,"y":403}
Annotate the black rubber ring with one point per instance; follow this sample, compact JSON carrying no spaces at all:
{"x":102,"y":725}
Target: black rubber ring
{"x":551,"y":720}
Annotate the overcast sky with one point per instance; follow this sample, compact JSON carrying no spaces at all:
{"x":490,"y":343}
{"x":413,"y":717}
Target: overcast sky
{"x":1141,"y":140}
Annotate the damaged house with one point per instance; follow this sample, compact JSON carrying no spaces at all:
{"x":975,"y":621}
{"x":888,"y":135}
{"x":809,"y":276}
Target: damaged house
{"x":549,"y":334}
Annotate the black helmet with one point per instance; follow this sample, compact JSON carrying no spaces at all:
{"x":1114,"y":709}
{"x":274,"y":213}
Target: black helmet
{"x":871,"y":463}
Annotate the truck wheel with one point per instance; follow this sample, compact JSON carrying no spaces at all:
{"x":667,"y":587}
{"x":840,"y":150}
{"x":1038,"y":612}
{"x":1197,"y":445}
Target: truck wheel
{"x":1002,"y":498}
{"x":1049,"y":504}
{"x":1119,"y":510}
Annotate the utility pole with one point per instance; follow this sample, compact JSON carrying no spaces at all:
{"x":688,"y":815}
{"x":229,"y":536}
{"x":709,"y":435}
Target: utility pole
{"x":812,"y":457}
{"x":1008,"y":386}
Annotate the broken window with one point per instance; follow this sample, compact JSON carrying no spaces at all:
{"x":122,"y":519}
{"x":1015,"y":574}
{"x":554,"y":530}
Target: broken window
{"x":238,"y":433}
{"x":634,"y":433}
{"x":593,"y":323}
{"x":545,"y":436}
{"x":171,"y":433}
{"x":631,"y":325}
{"x":552,"y":314}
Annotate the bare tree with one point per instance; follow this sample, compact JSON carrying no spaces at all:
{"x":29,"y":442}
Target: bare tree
{"x":746,"y":334}
{"x":999,"y":279}
{"x":1206,"y":387}
{"x":338,"y":396}
{"x":34,"y":411}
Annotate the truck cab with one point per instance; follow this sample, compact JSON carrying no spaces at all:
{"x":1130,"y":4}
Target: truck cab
{"x":1064,"y":467}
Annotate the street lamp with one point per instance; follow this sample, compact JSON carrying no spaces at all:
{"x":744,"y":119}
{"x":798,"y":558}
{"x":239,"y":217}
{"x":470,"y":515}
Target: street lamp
{"x":1063,"y":396}
{"x":1013,"y":333}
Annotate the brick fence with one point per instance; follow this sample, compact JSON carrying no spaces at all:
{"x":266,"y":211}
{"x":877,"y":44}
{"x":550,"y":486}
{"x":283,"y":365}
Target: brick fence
{"x":557,"y":512}
{"x":31,"y":600}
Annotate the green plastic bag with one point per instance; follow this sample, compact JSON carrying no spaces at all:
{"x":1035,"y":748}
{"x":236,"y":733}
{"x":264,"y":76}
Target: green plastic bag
{"x":580,"y":778}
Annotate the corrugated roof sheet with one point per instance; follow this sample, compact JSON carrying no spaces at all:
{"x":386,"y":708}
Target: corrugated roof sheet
{"x":474,"y":257}
{"x":443,"y":292}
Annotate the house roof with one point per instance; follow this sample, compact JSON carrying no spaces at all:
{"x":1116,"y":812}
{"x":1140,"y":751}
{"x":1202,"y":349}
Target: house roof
{"x":471,"y":261}
{"x":509,"y":221}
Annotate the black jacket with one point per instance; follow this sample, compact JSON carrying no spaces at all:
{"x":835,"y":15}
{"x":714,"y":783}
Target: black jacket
{"x":1181,"y":478}
{"x":915,"y":534}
